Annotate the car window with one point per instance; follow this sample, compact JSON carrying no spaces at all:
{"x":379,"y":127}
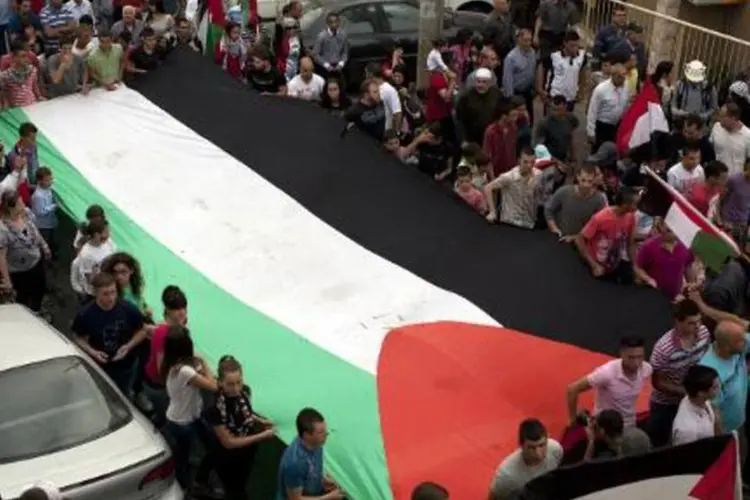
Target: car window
{"x":402,"y":17}
{"x":309,"y":16}
{"x":55,"y":405}
{"x":359,"y":20}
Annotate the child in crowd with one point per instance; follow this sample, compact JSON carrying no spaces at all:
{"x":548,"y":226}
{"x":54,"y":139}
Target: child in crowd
{"x":465,"y":188}
{"x":88,"y":262}
{"x":94,"y":212}
{"x":435,"y":57}
{"x":482,"y":174}
{"x":406,"y":154}
{"x":44,"y":207}
{"x":435,"y":154}
{"x":231,"y":53}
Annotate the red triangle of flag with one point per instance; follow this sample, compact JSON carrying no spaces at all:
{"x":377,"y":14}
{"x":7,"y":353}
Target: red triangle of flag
{"x":720,"y":480}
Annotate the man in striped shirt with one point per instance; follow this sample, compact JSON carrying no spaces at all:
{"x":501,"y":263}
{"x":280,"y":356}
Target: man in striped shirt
{"x":674,"y":353}
{"x":57,"y":20}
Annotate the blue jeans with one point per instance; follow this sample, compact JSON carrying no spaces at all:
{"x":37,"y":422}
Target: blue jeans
{"x":180,"y":438}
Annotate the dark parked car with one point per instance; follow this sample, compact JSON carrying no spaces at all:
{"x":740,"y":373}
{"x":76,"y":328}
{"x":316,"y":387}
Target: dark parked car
{"x":373,"y":25}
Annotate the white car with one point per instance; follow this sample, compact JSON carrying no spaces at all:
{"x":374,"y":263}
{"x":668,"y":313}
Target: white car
{"x":64,"y":422}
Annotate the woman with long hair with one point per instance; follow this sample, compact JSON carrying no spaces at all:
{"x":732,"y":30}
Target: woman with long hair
{"x":22,"y":249}
{"x":333,"y":99}
{"x":185,"y":375}
{"x":238,"y":428}
{"x":129,"y":279}
{"x":159,"y":20}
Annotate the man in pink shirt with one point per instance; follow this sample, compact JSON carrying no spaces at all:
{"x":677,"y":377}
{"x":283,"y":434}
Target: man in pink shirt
{"x":617,"y":385}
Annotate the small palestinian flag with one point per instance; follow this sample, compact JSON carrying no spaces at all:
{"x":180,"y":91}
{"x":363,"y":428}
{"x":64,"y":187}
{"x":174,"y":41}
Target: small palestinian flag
{"x":704,"y":470}
{"x":707,"y":242}
{"x":642,"y":125}
{"x":212,"y":19}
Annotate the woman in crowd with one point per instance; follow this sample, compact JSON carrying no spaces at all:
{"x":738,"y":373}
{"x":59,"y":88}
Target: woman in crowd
{"x":237,"y":427}
{"x":185,"y":375}
{"x":394,"y":60}
{"x":333,"y":99}
{"x":288,"y":47}
{"x":21,"y":250}
{"x":159,"y":20}
{"x":127,"y":273}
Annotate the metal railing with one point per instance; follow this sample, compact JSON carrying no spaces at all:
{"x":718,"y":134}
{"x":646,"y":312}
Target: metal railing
{"x":668,"y":38}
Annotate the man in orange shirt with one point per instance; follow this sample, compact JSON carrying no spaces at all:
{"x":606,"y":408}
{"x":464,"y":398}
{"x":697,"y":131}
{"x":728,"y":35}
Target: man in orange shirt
{"x":609,"y":236}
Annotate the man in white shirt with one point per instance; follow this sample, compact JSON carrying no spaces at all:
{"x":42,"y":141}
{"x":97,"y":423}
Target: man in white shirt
{"x":731,"y":139}
{"x":606,"y":107}
{"x":388,"y":95}
{"x":685,"y":174}
{"x":537,"y":454}
{"x":696,"y":417}
{"x":307,"y":85}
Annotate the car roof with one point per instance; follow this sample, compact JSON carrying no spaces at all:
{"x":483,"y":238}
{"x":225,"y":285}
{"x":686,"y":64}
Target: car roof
{"x":26,"y":338}
{"x":336,"y":5}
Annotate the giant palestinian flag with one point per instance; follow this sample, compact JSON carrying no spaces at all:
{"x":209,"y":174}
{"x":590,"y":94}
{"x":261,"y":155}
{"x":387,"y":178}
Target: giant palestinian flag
{"x":342,"y":279}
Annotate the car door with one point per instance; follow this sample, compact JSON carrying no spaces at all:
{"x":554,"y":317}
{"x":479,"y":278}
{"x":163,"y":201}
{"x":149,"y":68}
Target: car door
{"x":401,"y":20}
{"x":361,"y":23}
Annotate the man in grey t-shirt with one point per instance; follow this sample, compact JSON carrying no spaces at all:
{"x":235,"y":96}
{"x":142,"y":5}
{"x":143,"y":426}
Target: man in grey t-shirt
{"x":572,"y":206}
{"x":537,"y":454}
{"x":66,"y":72}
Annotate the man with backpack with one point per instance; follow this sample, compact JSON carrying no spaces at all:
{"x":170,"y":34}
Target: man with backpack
{"x":693,"y":94}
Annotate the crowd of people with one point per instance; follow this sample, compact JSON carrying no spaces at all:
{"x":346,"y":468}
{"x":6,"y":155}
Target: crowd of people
{"x":474,"y":129}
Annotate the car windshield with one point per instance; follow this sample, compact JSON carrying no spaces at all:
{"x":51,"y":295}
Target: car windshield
{"x":310,"y":13}
{"x":54,"y":405}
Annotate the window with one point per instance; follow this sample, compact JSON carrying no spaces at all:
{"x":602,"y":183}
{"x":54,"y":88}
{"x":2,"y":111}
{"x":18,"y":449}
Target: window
{"x":402,"y":17}
{"x":55,"y":405}
{"x":310,"y":14}
{"x":359,"y":20}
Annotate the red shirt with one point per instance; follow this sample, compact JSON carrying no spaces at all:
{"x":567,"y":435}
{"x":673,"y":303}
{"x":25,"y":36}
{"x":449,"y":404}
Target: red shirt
{"x":607,"y":235}
{"x":700,"y":195}
{"x":158,"y":338}
{"x":500,"y":140}
{"x":437,"y":108}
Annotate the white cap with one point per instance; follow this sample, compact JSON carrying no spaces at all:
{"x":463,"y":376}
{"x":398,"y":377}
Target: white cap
{"x":483,"y":74}
{"x":695,"y":71}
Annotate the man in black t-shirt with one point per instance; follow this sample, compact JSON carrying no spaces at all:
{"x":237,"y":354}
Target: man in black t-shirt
{"x":368,"y":114}
{"x":263,"y":76}
{"x":108,"y":329}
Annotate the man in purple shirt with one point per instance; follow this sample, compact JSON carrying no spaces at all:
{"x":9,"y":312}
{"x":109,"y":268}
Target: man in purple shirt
{"x":734,"y":204}
{"x":664,"y":263}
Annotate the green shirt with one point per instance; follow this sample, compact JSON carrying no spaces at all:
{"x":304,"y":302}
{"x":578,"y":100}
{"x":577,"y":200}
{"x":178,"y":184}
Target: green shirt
{"x":128,"y":295}
{"x":106,"y":65}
